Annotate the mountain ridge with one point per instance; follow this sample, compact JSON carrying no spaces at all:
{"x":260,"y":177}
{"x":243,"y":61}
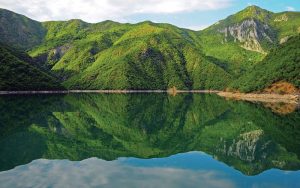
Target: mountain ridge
{"x":147,"y":55}
{"x":18,"y":73}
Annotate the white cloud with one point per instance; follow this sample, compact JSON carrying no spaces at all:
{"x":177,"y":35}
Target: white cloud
{"x":99,"y":173}
{"x":99,"y":10}
{"x":197,"y":27}
{"x":290,"y":8}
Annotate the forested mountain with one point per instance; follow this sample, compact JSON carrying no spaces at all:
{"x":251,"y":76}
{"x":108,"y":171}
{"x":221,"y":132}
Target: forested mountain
{"x":18,"y":73}
{"x":111,"y":55}
{"x":19,"y":31}
{"x":281,"y":65}
{"x":243,"y":39}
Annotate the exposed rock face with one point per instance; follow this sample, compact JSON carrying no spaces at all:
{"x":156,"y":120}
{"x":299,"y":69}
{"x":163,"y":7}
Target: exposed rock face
{"x":249,"y":147}
{"x":55,"y":54}
{"x":59,"y":51}
{"x":250,"y":33}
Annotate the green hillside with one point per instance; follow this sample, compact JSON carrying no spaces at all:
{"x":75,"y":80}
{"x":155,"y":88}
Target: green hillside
{"x":243,"y":39}
{"x":111,"y":55}
{"x":149,"y":56}
{"x":16,"y":74}
{"x":19,"y":31}
{"x":282,"y":64}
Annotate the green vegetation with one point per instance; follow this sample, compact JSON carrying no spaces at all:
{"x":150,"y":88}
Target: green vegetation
{"x":228,"y":49}
{"x":246,"y":136}
{"x":241,"y":52}
{"x":282,"y":64}
{"x":287,"y":23}
{"x":111,"y":55}
{"x":16,"y":74}
{"x":150,"y":56}
{"x":19,"y":31}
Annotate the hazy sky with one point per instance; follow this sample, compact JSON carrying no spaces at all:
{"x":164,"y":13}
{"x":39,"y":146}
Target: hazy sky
{"x":194,"y":14}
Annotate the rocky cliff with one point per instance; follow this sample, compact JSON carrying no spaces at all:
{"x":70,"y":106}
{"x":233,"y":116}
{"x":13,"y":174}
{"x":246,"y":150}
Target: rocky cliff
{"x":250,"y":33}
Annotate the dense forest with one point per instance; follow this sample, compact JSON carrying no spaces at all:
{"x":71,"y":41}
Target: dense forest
{"x":108,"y":55}
{"x":18,"y":74}
{"x":281,"y":64}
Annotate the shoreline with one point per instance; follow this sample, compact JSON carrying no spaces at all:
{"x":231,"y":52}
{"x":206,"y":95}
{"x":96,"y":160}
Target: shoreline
{"x":262,"y":97}
{"x":252,"y":97}
{"x":103,"y":91}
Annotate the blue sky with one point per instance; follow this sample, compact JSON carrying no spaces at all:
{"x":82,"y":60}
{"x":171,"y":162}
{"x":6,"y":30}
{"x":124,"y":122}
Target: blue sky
{"x":201,"y":19}
{"x":193,"y":14}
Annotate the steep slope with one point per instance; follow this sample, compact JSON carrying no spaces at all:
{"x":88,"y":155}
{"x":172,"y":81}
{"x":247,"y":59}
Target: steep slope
{"x":19,"y":31}
{"x":76,"y":40}
{"x":16,"y":74}
{"x":243,"y":39}
{"x":109,"y":55}
{"x":150,"y":56}
{"x":281,"y":65}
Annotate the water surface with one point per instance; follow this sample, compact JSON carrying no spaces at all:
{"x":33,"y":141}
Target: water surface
{"x":147,"y":140}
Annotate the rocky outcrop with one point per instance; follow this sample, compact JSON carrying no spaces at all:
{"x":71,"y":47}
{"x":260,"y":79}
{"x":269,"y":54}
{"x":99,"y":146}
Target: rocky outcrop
{"x":250,"y":33}
{"x":248,"y":147}
{"x":56,"y":54}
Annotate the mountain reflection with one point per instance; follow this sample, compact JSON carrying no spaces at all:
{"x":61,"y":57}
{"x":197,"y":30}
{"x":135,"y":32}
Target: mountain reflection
{"x":249,"y":137}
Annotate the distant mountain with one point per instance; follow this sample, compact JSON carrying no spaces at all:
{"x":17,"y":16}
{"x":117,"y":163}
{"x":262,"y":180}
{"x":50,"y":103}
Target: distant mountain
{"x":111,"y":55}
{"x":17,"y":74}
{"x":281,"y":65}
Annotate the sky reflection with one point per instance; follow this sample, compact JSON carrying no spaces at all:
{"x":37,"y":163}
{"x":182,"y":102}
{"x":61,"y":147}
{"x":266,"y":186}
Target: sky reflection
{"x":193,"y":169}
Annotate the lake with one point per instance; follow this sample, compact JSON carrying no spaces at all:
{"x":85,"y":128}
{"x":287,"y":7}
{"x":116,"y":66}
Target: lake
{"x":147,"y":140}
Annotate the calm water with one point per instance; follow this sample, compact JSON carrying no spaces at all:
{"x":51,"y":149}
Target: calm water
{"x":147,"y":140}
